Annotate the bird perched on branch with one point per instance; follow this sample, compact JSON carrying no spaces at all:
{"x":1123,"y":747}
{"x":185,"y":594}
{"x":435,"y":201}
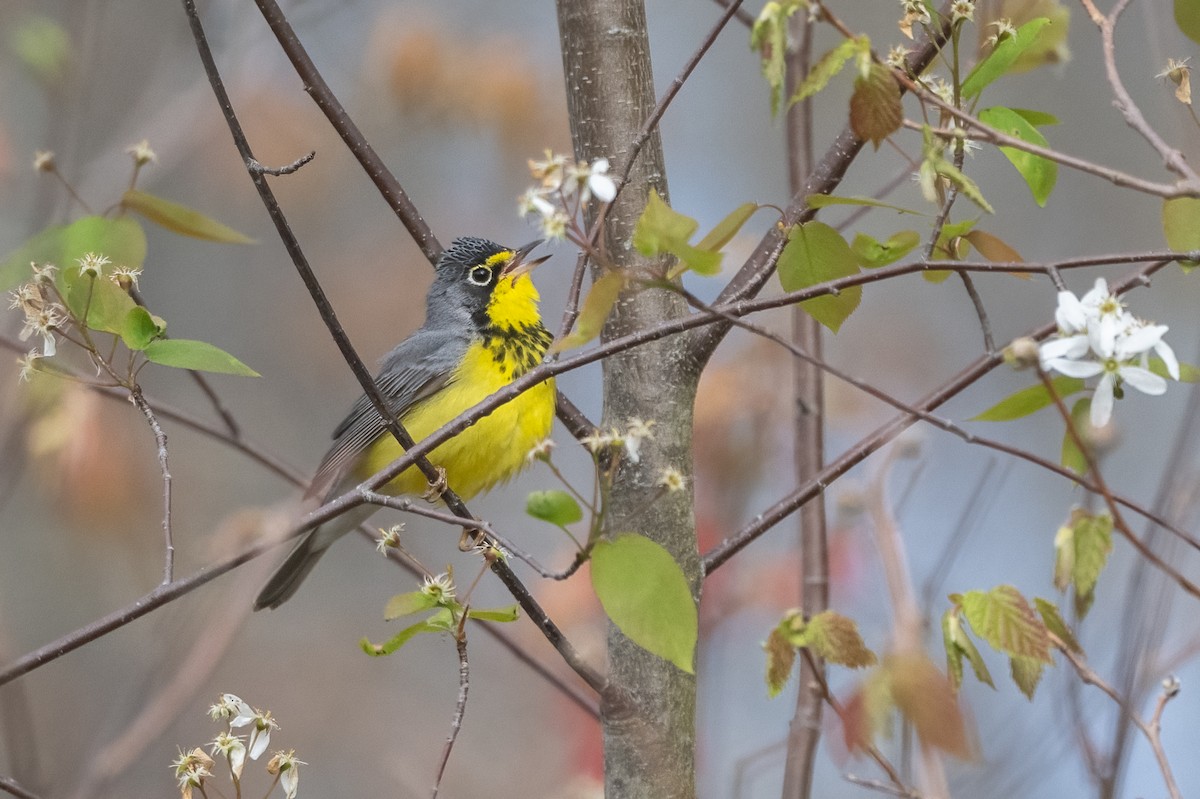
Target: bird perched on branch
{"x":482,"y":331}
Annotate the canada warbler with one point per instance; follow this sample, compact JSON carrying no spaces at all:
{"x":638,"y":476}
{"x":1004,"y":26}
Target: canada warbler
{"x":482,"y":331}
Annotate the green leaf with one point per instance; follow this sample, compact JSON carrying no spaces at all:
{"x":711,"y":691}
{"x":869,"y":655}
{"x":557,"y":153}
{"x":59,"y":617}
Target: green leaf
{"x":1093,"y":543}
{"x":1187,"y":17}
{"x":1029,"y":400}
{"x":407,"y":604}
{"x":967,"y":187}
{"x":1039,"y":119}
{"x":875,"y":108}
{"x":440,"y":622}
{"x":662,"y":230}
{"x":1026,"y":673}
{"x":1073,"y":457}
{"x":647,"y":596}
{"x":781,"y":656}
{"x":1181,"y":225}
{"x":998,"y":62}
{"x":872,"y":254}
{"x":1050,"y":45}
{"x":181,"y":219}
{"x":42,"y":45}
{"x":596,"y":307}
{"x":959,"y":645}
{"x":554,"y":506}
{"x":828,"y":66}
{"x":140,"y":328}
{"x":816,"y":253}
{"x":1187,"y":372}
{"x":724,"y":231}
{"x":121,"y":240}
{"x":1040,"y":173}
{"x":1004,"y":619}
{"x":504,"y":614}
{"x":198,"y":355}
{"x":825,"y":200}
{"x":107,"y":304}
{"x":768,"y":37}
{"x":836,"y":638}
{"x":949,"y":246}
{"x":1055,"y":624}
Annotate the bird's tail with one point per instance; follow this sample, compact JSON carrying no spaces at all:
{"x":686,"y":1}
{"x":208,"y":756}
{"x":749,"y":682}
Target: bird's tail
{"x":304,"y":556}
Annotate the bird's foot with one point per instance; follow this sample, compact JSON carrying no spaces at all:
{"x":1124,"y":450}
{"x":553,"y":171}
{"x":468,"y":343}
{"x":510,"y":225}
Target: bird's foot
{"x":436,"y":487}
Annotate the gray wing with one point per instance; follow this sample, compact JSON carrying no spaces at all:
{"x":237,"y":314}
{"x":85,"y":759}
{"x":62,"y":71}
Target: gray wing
{"x":417,"y":368}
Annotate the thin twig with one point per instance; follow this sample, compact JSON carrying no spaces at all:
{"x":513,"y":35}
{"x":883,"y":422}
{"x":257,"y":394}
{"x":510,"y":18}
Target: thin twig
{"x":160,"y":441}
{"x":460,"y":707}
{"x":11,"y":786}
{"x":286,"y":169}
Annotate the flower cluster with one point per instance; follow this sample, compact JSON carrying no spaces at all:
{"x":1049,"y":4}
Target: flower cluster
{"x":630,"y":440}
{"x":39,"y":301}
{"x":1097,"y":336}
{"x":564,"y":187}
{"x":194,"y":768}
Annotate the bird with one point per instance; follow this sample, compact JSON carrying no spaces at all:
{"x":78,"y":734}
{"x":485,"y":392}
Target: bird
{"x":482,"y":330}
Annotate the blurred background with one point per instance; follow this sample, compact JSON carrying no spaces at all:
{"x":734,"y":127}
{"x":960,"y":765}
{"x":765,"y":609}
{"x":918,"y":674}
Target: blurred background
{"x":456,"y":95}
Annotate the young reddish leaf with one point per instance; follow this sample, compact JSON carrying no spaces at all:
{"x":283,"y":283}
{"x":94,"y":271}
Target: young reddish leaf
{"x":1055,"y":624}
{"x":873,"y":254}
{"x":1026,"y":673}
{"x":999,"y":61}
{"x":1029,"y":400}
{"x":408,"y":603}
{"x":992,"y":248}
{"x":836,"y":638}
{"x":875,"y":109}
{"x":181,"y":219}
{"x":1040,"y":174}
{"x":928,"y":702}
{"x":1073,"y":457}
{"x":647,"y":596}
{"x":1004,"y":619}
{"x":1093,"y":543}
{"x":816,"y":253}
{"x":198,"y":355}
{"x":781,"y":656}
{"x":554,"y":506}
{"x":866,"y":711}
{"x":596,"y":307}
{"x":1181,"y":225}
{"x":827,"y":67}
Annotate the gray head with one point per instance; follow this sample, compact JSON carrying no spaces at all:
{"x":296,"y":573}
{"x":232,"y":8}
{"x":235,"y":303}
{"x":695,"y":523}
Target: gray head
{"x":467,"y":275}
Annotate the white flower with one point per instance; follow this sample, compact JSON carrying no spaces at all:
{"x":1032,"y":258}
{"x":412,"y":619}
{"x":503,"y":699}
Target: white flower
{"x":93,"y":264}
{"x":141,"y":153}
{"x":260,"y":733}
{"x":388,"y":539}
{"x":439,"y":588}
{"x":287,"y":766}
{"x":231,"y":706}
{"x":593,"y":180}
{"x":233,"y":749}
{"x":533,"y":201}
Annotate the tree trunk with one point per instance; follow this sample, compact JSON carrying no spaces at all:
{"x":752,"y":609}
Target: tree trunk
{"x":649,"y":732}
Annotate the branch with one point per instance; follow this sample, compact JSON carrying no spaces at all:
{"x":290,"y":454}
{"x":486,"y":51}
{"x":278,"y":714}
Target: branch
{"x":160,"y":441}
{"x":460,"y":707}
{"x":11,"y":786}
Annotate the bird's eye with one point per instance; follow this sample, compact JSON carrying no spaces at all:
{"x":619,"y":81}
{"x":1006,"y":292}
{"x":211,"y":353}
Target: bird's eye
{"x":480,"y":275}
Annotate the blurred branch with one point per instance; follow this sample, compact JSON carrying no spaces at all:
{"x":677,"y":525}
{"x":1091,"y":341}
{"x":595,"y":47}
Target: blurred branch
{"x":11,"y":786}
{"x":327,"y":101}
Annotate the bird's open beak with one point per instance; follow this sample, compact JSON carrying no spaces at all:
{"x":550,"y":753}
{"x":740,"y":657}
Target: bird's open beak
{"x":520,"y":263}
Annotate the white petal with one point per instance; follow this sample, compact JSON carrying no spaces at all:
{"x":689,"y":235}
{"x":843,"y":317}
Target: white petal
{"x":1164,"y":351}
{"x":1072,"y":368}
{"x":1102,"y":401}
{"x":259,"y":741}
{"x":1073,"y":347}
{"x":49,"y":346}
{"x":290,"y":780}
{"x":602,"y":187}
{"x":1070,"y":314}
{"x":1143,"y":380}
{"x":1096,"y":296}
{"x":1138,"y":340}
{"x":1103,"y":335}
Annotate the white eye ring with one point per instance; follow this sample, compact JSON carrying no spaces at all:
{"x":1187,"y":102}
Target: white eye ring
{"x":479,"y":275}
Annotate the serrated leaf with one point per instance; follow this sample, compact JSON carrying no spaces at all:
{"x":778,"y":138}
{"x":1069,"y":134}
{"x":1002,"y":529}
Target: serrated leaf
{"x":1093,"y":543}
{"x":181,"y":219}
{"x":1026,"y":673}
{"x":1040,"y":173}
{"x":1004,"y":619}
{"x":1187,"y":17}
{"x":927,"y":700}
{"x":768,"y":37}
{"x":1029,"y":400}
{"x":994,"y":249}
{"x":596,"y":308}
{"x":662,"y":230}
{"x":440,"y":622}
{"x":959,"y":645}
{"x":827,"y":67}
{"x":724,"y":231}
{"x":825,"y":200}
{"x":407,"y":604}
{"x":1073,"y":457}
{"x":647,"y":596}
{"x":835,"y":638}
{"x":875,"y":108}
{"x":1181,"y":226}
{"x":121,"y":240}
{"x":872,"y":253}
{"x":781,"y":657}
{"x":199,"y":355}
{"x":139,"y":328}
{"x":1055,"y":624}
{"x":816,"y":253}
{"x":504,"y":614}
{"x":1002,"y":58}
{"x":554,"y":506}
